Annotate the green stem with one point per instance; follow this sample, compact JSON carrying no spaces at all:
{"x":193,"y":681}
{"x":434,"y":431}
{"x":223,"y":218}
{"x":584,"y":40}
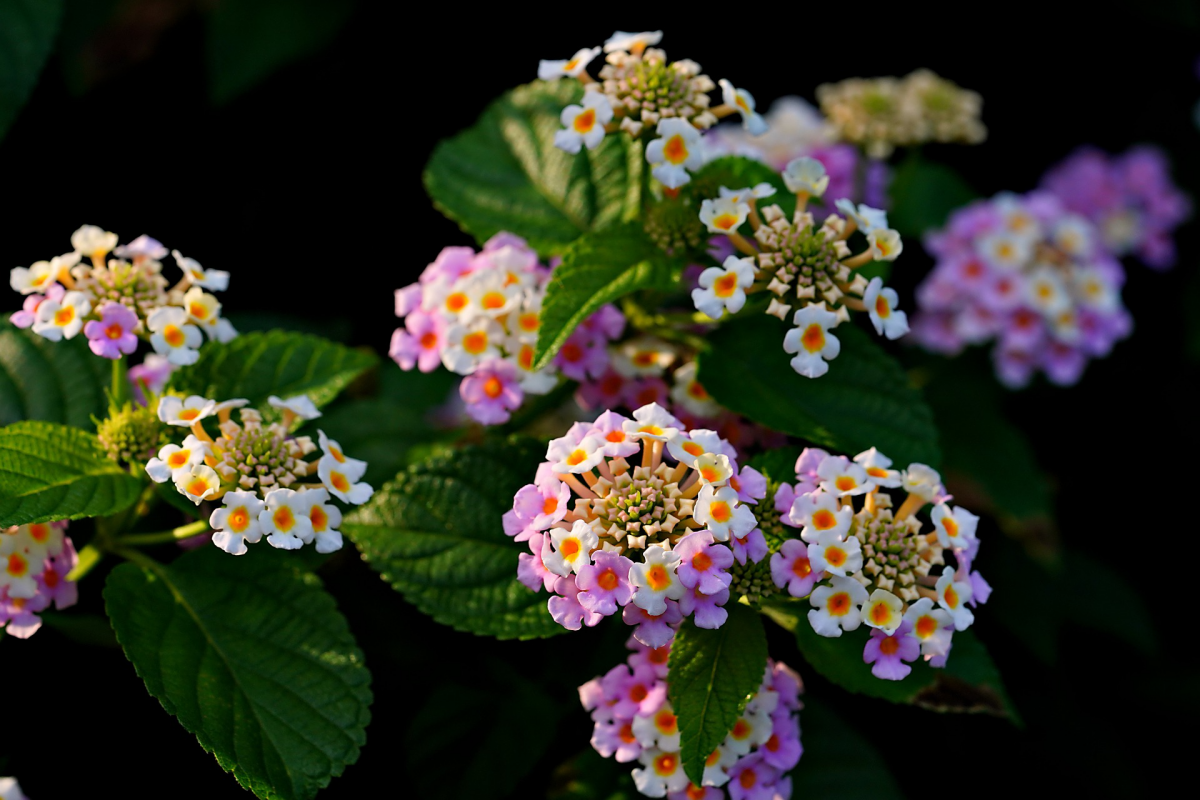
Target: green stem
{"x":141,"y":559}
{"x":89,"y":557}
{"x":173,"y":535}
{"x":120,"y":386}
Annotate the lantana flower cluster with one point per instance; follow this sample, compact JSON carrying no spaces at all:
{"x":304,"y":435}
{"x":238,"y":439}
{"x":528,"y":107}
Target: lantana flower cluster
{"x":639,"y":515}
{"x":1027,"y":273}
{"x":115,"y":302}
{"x":665,"y":103}
{"x":880,"y":114}
{"x":798,"y":261}
{"x":647,"y":369}
{"x":35,"y":561}
{"x":795,"y":129}
{"x":634,"y":721}
{"x":1129,"y":198}
{"x":477,"y":313}
{"x":874,"y":564}
{"x":260,"y":473}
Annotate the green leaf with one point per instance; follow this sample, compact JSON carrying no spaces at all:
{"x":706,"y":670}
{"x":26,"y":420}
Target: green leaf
{"x":778,"y":464}
{"x":864,"y":401}
{"x":434,"y":534}
{"x":250,"y":39}
{"x":739,"y":172}
{"x":258,"y":365}
{"x":252,"y":656}
{"x":461,"y":741}
{"x":923,"y":194}
{"x":839,"y":761}
{"x":505,"y":174}
{"x":984,"y":453}
{"x":598,"y":268}
{"x":53,"y":472}
{"x":970,"y":681}
{"x":711,"y":676}
{"x":27,"y":29}
{"x":53,"y":381}
{"x":379,"y":432}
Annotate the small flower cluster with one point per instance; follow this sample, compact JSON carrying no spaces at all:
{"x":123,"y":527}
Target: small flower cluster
{"x":647,"y":369}
{"x":1022,"y":270}
{"x":797,"y":260}
{"x":478,"y":314}
{"x":1130,"y":198}
{"x":634,"y":721}
{"x":797,"y":129}
{"x":36,"y":560}
{"x":115,"y":302}
{"x":881,"y":114}
{"x":656,"y":540}
{"x":872,"y":565}
{"x":643,"y":94}
{"x":258,"y":471}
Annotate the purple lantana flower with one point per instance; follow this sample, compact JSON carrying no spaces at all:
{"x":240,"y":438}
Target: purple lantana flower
{"x":112,"y":335}
{"x":492,"y":392}
{"x":887,"y":653}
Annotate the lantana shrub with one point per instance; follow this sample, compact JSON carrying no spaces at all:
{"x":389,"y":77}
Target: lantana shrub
{"x":682,"y":399}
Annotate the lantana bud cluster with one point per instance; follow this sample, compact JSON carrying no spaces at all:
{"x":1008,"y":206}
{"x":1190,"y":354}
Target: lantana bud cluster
{"x":647,"y":369}
{"x":796,"y":129}
{"x":35,"y":560}
{"x":638,"y":91}
{"x":874,"y":564}
{"x":477,"y":313}
{"x":639,"y":515}
{"x":799,"y":262}
{"x":260,"y":473}
{"x":880,"y":114}
{"x":1027,"y":273}
{"x":115,"y":302}
{"x":1129,"y":198}
{"x":634,"y":721}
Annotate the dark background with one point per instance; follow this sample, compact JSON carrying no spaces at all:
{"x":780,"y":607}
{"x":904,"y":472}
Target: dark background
{"x":307,"y":188}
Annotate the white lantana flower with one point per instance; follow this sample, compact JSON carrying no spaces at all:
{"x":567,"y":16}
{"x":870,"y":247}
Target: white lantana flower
{"x":806,"y":175}
{"x":213,"y":279}
{"x":300,"y":405}
{"x":236,"y":522}
{"x":285,"y":519}
{"x":36,"y":278}
{"x":93,"y":241}
{"x":885,"y":244}
{"x":632,"y":42}
{"x":325,"y":519}
{"x":172,"y":458}
{"x":185,"y":411}
{"x":743,"y":101}
{"x":584,"y":125}
{"x":63,"y":319}
{"x":811,"y":341}
{"x":724,"y":287}
{"x":678,"y":150}
{"x":172,"y":336}
{"x":835,"y":607}
{"x":571,"y":548}
{"x":201,"y":307}
{"x":866,"y":218}
{"x":724,"y":214}
{"x":198,"y":483}
{"x":655,"y":580}
{"x":884,"y":611}
{"x":881,"y":308}
{"x":572,"y":67}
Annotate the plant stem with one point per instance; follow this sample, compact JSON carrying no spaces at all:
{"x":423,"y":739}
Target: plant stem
{"x":173,"y":535}
{"x":120,"y":386}
{"x":88,"y":557}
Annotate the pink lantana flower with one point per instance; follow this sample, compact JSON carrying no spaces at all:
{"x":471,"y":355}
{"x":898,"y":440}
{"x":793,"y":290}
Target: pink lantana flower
{"x":566,"y":609}
{"x":653,"y":630}
{"x":887,"y":653}
{"x":112,"y":335}
{"x":604,"y":584}
{"x":791,"y":568}
{"x":703,"y":565}
{"x":492,"y":392}
{"x":420,"y":343}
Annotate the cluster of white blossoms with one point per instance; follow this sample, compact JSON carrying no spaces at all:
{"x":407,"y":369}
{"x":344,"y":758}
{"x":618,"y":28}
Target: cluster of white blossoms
{"x":876,"y":564}
{"x":641,"y":93}
{"x":881,"y":114}
{"x":115,"y":302}
{"x":798,"y":261}
{"x":260,"y":473}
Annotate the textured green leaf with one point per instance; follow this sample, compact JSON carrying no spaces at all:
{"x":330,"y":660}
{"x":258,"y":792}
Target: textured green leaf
{"x":985,"y":454}
{"x":27,"y":29}
{"x":923,"y":194}
{"x":53,"y":381}
{"x":740,"y":172}
{"x":460,"y":745}
{"x":251,"y":655}
{"x":50,"y":472}
{"x":778,"y":464}
{"x":598,"y":268}
{"x":711,"y":676}
{"x":838,"y":760}
{"x":434,"y":534}
{"x":864,"y":400}
{"x":258,"y":365}
{"x":505,"y":174}
{"x":247,"y":41}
